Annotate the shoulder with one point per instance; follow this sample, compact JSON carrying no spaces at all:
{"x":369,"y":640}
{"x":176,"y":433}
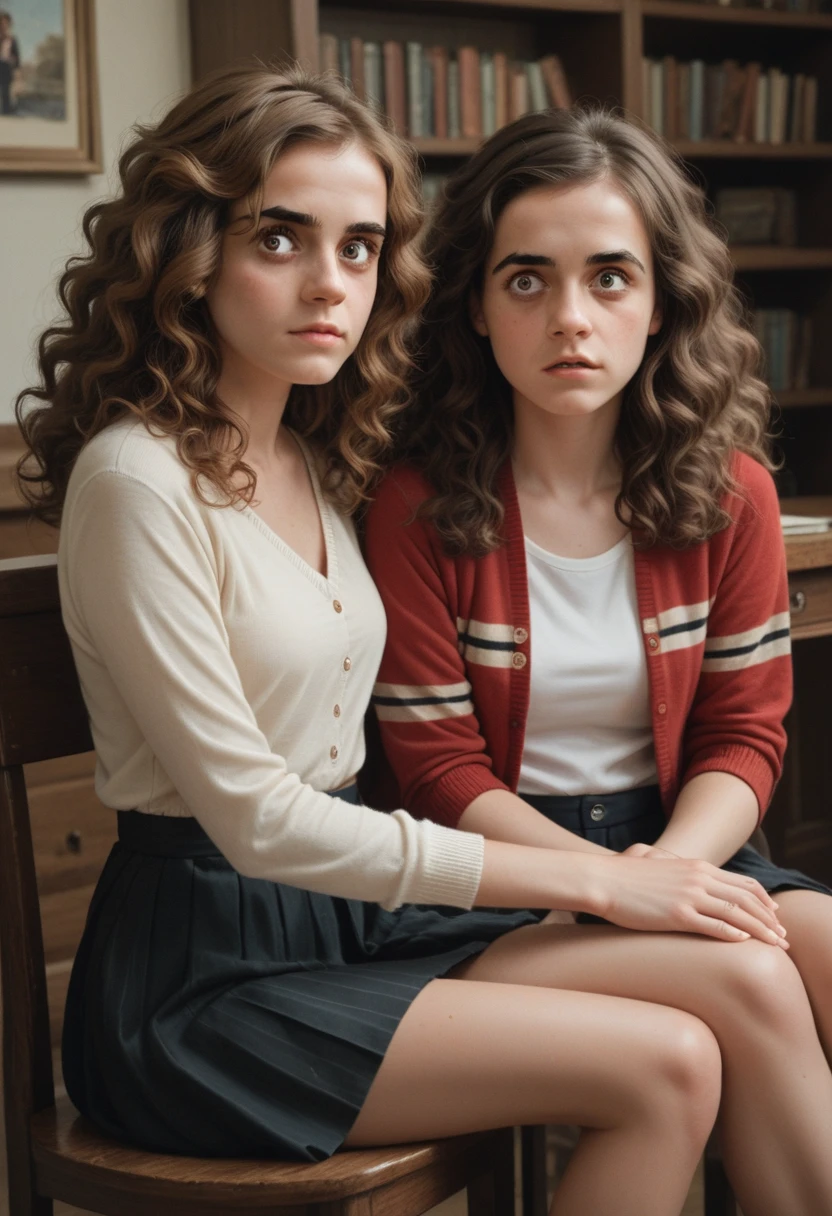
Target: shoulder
{"x":754,"y":494}
{"x":125,"y":451}
{"x":402,"y":489}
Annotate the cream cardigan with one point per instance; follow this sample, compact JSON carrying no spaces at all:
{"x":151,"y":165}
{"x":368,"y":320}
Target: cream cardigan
{"x":227,"y":679}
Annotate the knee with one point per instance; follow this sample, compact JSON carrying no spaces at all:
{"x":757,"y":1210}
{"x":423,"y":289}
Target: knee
{"x":764,"y":985}
{"x":688,"y":1075}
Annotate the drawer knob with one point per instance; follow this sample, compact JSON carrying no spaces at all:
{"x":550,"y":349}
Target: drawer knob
{"x":797,"y":601}
{"x":74,"y":841}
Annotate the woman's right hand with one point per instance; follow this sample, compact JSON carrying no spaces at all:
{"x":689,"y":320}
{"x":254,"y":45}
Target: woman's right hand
{"x":685,"y":896}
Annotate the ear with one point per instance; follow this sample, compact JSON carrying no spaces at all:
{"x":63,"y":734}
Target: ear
{"x":655,"y":321}
{"x":476,"y":314}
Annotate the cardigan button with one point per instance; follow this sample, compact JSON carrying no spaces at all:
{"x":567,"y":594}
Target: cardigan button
{"x":661,"y":708}
{"x":347,"y":663}
{"x":520,"y":635}
{"x":653,"y":642}
{"x":333,"y":753}
{"x":518,"y":660}
{"x":337,"y":605}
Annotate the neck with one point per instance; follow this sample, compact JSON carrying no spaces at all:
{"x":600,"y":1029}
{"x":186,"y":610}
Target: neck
{"x":258,"y":400}
{"x":570,"y":457}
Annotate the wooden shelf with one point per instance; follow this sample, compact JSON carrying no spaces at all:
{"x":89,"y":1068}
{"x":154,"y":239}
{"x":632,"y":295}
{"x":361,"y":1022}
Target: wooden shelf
{"x":795,"y":398}
{"x":680,"y":11}
{"x":780,"y":257}
{"x":697,"y":149}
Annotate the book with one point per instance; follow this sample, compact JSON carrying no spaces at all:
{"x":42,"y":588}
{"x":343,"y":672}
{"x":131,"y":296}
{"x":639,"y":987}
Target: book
{"x":518,"y":94}
{"x":761,"y":127}
{"x":415,"y":122}
{"x":657,"y":96}
{"x":328,"y":51}
{"x":697,"y":98}
{"x":428,"y":121}
{"x":357,"y":67}
{"x":344,"y":60}
{"x":470,"y":92}
{"x":671,"y":94}
{"x":810,"y":109}
{"x":748,"y":105}
{"x":439,"y":56}
{"x":805,"y":525}
{"x":556,"y":82}
{"x":487,"y":93}
{"x":373,"y":75}
{"x":500,"y":88}
{"x":395,"y":89}
{"x":762,"y":215}
{"x":537,"y":89}
{"x":454,"y":115}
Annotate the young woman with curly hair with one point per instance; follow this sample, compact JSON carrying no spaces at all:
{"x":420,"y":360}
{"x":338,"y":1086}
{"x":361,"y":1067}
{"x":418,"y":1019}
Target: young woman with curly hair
{"x":582,"y":565}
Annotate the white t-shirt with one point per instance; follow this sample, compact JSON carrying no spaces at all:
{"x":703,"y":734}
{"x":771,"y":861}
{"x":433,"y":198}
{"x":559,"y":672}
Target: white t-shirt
{"x":227,"y":679}
{"x":589,"y":729}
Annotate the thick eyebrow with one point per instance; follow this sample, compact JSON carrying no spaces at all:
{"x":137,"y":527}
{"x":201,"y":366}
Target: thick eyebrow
{"x":309,"y":221}
{"x":594,"y":259}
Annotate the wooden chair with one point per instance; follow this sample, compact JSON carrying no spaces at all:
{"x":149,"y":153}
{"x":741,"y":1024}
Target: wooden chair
{"x":55,"y":1154}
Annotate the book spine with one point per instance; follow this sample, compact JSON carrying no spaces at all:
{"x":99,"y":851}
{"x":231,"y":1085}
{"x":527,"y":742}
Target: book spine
{"x":487,"y":92}
{"x":537,"y":89}
{"x":810,"y":109}
{"x":671,"y":95}
{"x":395,"y":90}
{"x":454,"y":111}
{"x":413,"y":52}
{"x":328,"y":53}
{"x":518,"y":91}
{"x":439,"y":55}
{"x":428,"y":120}
{"x":500,"y":89}
{"x":357,"y":68}
{"x":683,"y":101}
{"x":657,"y":97}
{"x":470,"y":92}
{"x":761,"y":111}
{"x":796,"y":108}
{"x":556,"y":83}
{"x":697,"y":98}
{"x":344,"y":60}
{"x":373,"y":76}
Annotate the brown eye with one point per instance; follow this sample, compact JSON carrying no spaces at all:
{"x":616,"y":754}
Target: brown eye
{"x":357,"y":252}
{"x":274,"y":241}
{"x":612,"y":280}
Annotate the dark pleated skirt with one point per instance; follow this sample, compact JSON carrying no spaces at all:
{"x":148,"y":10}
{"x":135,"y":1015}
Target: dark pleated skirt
{"x":217,"y":1015}
{"x":635,"y":816}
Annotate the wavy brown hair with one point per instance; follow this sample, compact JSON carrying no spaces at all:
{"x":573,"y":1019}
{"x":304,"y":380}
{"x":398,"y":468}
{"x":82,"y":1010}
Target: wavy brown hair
{"x":697,"y":397}
{"x":137,"y":337}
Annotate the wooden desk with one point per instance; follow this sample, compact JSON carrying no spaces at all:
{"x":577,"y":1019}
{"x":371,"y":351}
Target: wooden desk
{"x":799,"y":823}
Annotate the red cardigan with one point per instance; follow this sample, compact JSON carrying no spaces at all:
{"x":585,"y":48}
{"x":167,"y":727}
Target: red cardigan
{"x":453,"y":689}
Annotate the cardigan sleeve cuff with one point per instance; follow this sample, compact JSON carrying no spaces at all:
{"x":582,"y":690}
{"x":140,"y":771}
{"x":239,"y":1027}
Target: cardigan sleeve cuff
{"x":445,"y":799}
{"x":743,"y":762}
{"x":453,"y":867}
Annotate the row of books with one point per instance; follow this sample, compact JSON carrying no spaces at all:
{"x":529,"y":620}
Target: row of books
{"x":698,"y":100}
{"x":435,"y":91}
{"x":786,"y":339}
{"x":785,"y":6}
{"x":757,"y":215}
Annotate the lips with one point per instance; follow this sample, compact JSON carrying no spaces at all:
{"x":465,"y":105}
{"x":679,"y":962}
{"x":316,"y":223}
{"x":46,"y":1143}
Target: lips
{"x":572,"y":361}
{"x":320,"y":329}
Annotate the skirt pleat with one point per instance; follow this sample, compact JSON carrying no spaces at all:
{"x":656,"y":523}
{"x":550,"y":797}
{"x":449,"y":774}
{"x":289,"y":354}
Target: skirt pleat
{"x":218,"y":1015}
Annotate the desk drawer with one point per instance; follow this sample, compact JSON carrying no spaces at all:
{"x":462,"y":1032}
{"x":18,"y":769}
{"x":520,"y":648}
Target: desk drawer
{"x":810,"y":602}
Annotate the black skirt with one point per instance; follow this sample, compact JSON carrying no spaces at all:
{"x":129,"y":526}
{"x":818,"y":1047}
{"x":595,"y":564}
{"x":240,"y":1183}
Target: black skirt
{"x":216,"y":1015}
{"x":635,"y":816}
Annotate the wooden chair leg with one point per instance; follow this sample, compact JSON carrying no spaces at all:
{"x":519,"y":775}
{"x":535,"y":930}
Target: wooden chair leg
{"x":533,"y":1170}
{"x":492,"y":1194}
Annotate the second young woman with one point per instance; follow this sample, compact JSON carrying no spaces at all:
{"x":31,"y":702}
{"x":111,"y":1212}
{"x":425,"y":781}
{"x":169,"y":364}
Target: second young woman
{"x":583,"y":571}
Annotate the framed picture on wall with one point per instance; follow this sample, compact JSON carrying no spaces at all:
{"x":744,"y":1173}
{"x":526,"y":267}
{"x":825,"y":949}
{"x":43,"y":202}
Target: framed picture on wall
{"x":49,"y":120}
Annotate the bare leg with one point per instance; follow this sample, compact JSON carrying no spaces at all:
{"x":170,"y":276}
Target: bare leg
{"x":776,"y":1110}
{"x":807,"y":917}
{"x":642,"y":1078}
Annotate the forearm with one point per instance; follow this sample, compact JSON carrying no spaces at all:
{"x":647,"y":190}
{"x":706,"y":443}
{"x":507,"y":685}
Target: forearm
{"x":519,"y":876}
{"x":714,"y":815}
{"x":501,"y":815}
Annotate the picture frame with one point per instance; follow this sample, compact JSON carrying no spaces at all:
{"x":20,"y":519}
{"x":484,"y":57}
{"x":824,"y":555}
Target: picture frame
{"x":49,"y":108}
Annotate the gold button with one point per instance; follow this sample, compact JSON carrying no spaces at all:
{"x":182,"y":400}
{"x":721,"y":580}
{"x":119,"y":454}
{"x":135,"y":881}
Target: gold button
{"x":337,"y":605}
{"x":520,"y":635}
{"x":518,"y":660}
{"x":661,"y":707}
{"x":347,"y":663}
{"x":653,"y":642}
{"x":337,"y":711}
{"x":333,"y":753}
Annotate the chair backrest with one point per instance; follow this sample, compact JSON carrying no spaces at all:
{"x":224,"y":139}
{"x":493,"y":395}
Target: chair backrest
{"x":42,"y":715}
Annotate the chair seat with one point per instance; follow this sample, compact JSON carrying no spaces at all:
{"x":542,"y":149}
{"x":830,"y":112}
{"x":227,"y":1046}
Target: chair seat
{"x":76,"y":1163}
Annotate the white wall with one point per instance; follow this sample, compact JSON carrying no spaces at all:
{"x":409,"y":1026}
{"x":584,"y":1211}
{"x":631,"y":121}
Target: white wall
{"x":143,"y":65}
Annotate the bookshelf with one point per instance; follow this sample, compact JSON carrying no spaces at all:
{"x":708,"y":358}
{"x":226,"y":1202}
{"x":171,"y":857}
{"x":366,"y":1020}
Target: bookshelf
{"x":603,"y":45}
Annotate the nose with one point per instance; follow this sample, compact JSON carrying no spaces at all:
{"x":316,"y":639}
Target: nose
{"x":324,"y":282}
{"x":568,"y":315}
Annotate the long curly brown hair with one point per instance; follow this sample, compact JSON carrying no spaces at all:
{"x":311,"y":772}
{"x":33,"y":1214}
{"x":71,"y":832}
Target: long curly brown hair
{"x":697,"y":397}
{"x":137,"y":336}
